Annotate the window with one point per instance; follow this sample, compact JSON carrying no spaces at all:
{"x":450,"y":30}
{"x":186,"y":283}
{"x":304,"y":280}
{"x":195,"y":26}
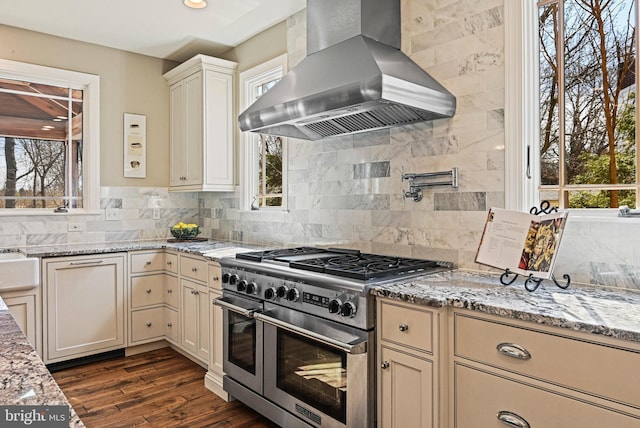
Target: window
{"x":48,"y":139}
{"x":577,"y":125}
{"x":264,"y":165}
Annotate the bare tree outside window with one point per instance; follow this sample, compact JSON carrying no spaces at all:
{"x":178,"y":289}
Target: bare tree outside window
{"x":270,"y":156}
{"x":587,"y":61}
{"x":40,"y":145}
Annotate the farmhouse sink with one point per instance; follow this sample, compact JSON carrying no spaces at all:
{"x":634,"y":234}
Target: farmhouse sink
{"x":18,"y":272}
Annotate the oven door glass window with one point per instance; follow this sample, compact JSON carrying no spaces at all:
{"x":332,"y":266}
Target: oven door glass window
{"x":314,"y":373}
{"x":242,"y":342}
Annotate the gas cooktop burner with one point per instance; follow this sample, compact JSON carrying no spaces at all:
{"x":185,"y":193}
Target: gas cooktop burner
{"x":364,"y":266}
{"x":343,"y":262}
{"x":259,"y":256}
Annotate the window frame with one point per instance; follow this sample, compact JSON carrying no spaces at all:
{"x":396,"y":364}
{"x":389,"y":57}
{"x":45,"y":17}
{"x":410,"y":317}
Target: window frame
{"x":90,"y":84}
{"x":521,"y":110}
{"x":248,"y":80}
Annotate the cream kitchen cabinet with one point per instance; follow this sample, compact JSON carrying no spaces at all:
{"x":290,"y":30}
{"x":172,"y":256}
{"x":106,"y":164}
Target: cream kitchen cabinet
{"x":25,"y":308}
{"x":153,"y":297}
{"x":510,"y":373}
{"x":202,"y":149}
{"x":410,"y":373}
{"x":83,"y":305}
{"x":213,"y":378}
{"x":194,"y":307}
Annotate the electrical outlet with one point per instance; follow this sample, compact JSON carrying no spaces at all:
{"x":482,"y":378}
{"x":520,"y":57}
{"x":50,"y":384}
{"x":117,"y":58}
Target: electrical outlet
{"x":156,"y":213}
{"x":112,"y":214}
{"x":75,"y":227}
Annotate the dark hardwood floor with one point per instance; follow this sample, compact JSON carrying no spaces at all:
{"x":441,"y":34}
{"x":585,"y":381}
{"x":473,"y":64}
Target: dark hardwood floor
{"x":155,"y":389}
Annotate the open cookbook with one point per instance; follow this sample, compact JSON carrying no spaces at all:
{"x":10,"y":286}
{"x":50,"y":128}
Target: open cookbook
{"x":524,"y":243}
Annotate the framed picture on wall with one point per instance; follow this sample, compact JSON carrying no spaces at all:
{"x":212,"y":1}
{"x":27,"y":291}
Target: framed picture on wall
{"x":135,"y":145}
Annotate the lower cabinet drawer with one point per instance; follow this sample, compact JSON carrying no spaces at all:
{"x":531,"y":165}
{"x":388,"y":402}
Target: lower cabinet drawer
{"x":406,"y":325}
{"x":171,"y":325}
{"x":148,"y":324}
{"x":590,"y":367}
{"x":172,"y":292}
{"x":491,"y":401}
{"x":147,"y":290}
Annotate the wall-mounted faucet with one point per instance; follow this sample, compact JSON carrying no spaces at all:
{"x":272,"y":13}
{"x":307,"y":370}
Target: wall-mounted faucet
{"x":418,"y":181}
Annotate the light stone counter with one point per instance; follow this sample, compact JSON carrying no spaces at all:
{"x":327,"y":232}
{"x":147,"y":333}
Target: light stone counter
{"x":613,"y":313}
{"x":195,"y":247}
{"x":25,"y":378}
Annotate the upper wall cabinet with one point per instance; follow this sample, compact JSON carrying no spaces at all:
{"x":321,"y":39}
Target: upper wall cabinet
{"x":202,"y":125}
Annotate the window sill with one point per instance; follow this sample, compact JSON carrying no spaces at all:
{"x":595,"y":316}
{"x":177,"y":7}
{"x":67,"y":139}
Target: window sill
{"x":45,"y":212}
{"x":600,"y":214}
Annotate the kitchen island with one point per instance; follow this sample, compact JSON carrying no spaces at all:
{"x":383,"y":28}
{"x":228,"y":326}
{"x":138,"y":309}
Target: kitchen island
{"x":25,"y":379}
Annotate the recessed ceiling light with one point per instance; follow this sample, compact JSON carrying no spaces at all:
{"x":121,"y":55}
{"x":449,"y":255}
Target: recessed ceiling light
{"x":195,"y":4}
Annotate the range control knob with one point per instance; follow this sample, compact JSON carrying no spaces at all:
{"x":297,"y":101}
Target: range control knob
{"x":348,"y":309}
{"x":252,"y":288}
{"x":225,"y":278}
{"x":270,"y":293}
{"x":334,"y":306}
{"x":233,"y":279}
{"x":242,"y":285}
{"x":282,"y":291}
{"x":293,"y":294}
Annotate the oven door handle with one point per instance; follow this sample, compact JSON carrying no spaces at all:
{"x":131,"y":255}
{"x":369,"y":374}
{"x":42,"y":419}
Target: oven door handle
{"x":249,"y":313}
{"x":350,"y":348}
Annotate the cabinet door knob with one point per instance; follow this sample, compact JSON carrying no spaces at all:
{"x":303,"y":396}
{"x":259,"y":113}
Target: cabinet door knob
{"x":216,"y":278}
{"x":384,"y":365}
{"x":148,"y":290}
{"x":169,"y":291}
{"x":148,"y":324}
{"x":511,"y":419}
{"x":403,"y":327}
{"x":148,"y":262}
{"x":169,"y":325}
{"x":514,"y":351}
{"x":169,"y":263}
{"x":194,"y":269}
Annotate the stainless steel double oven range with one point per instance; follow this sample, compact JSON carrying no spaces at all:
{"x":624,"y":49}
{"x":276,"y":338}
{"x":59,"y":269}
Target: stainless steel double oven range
{"x":299,"y":332}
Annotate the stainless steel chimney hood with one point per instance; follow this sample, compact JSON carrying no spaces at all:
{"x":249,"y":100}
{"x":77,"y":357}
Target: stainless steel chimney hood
{"x":354,"y":78}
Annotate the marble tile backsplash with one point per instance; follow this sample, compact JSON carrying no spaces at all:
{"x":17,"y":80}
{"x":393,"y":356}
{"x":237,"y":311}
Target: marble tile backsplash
{"x":347,"y":190}
{"x":134,"y":207}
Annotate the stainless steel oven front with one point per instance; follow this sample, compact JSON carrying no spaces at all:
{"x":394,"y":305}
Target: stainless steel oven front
{"x":243,"y":340}
{"x":281,"y":361}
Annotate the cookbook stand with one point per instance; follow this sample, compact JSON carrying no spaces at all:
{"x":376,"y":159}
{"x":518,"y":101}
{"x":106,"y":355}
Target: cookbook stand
{"x":532,"y":283}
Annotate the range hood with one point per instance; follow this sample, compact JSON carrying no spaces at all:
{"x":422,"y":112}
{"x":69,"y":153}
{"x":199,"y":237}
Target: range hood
{"x":354,"y":78}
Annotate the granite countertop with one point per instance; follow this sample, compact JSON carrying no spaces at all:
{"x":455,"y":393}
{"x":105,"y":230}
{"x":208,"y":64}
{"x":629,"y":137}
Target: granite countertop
{"x":590,"y":309}
{"x":200,"y":248}
{"x":25,"y":379}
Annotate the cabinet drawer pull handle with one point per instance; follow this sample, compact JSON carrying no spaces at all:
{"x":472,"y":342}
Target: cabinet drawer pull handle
{"x":384,"y":365}
{"x":91,"y":262}
{"x":403,"y":327}
{"x":194,"y":269}
{"x":216,"y":278}
{"x":170,"y":325}
{"x":169,"y":291}
{"x":169,"y":263}
{"x":148,"y":263}
{"x":511,"y":419}
{"x":514,"y":351}
{"x":148,"y":324}
{"x":148,"y":290}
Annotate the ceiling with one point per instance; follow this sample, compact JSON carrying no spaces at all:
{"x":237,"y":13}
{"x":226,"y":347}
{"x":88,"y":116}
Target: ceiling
{"x":159,"y":28}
